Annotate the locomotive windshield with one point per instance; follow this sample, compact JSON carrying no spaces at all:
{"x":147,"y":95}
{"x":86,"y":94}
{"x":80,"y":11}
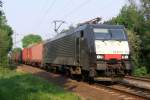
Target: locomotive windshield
{"x":113,"y":34}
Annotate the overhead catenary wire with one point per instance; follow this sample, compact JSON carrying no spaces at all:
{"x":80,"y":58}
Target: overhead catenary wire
{"x":38,"y":25}
{"x":80,"y":6}
{"x":64,"y":7}
{"x":50,"y":7}
{"x":43,"y":6}
{"x":76,"y":9}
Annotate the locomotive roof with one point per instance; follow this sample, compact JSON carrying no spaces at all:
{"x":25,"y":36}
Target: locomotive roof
{"x":82,"y":27}
{"x":108,"y":26}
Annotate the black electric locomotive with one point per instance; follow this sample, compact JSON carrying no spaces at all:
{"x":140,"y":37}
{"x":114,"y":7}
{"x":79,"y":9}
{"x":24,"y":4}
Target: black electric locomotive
{"x":91,"y":50}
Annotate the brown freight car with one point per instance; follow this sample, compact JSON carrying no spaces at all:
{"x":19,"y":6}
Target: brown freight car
{"x":25,"y":55}
{"x":36,"y":54}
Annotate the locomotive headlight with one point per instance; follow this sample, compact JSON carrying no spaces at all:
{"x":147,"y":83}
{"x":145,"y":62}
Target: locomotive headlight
{"x":125,"y":57}
{"x":100,"y":56}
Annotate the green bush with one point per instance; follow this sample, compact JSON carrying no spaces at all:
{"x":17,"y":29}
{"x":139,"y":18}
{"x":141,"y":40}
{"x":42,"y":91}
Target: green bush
{"x":140,"y":71}
{"x":6,"y":64}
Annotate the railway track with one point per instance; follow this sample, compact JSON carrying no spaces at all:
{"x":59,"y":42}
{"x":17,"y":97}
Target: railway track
{"x":138,"y":78}
{"x":126,"y":89}
{"x":136,"y":92}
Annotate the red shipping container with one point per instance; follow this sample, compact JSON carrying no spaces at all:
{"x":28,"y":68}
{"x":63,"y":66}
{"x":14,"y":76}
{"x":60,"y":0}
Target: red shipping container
{"x":36,"y":53}
{"x":29,"y":57}
{"x":25,"y":54}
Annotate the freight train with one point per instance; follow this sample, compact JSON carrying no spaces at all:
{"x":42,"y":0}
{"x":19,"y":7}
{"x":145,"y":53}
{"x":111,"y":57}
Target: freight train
{"x":92,"y":51}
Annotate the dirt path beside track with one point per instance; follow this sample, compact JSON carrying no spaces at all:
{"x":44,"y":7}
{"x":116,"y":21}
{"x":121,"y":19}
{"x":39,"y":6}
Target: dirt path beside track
{"x":84,"y":90}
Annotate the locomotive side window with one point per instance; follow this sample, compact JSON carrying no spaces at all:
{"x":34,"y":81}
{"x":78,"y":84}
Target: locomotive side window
{"x":82,"y":34}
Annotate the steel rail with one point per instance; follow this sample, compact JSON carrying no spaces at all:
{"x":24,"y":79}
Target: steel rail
{"x":123,"y":91}
{"x":138,"y":78}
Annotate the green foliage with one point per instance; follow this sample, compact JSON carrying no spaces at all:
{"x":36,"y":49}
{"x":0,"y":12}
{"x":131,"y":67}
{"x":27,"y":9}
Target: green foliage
{"x":146,"y":8}
{"x":146,"y":33}
{"x":4,"y":63}
{"x":16,"y":50}
{"x":19,"y":86}
{"x":134,"y":42}
{"x":140,"y":71}
{"x":31,"y":39}
{"x":5,"y":37}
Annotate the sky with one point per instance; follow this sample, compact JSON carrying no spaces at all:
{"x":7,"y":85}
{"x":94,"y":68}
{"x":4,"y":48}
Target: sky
{"x":37,"y":16}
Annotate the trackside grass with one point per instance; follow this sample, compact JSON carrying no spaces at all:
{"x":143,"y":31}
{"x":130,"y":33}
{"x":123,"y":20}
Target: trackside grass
{"x":21,"y":86}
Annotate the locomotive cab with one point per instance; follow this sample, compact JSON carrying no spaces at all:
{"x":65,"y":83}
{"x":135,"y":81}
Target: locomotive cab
{"x":112,"y":51}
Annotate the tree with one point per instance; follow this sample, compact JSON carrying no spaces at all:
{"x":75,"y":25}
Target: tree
{"x":135,"y":43}
{"x":146,"y":8}
{"x":31,"y":39}
{"x":5,"y":37}
{"x":16,"y":50}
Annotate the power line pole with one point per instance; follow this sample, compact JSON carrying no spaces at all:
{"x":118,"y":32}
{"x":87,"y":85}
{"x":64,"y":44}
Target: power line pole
{"x":15,"y":39}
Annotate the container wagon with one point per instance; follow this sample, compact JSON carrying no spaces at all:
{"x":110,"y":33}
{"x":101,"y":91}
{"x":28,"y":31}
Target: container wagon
{"x":36,"y":54}
{"x":25,"y":55}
